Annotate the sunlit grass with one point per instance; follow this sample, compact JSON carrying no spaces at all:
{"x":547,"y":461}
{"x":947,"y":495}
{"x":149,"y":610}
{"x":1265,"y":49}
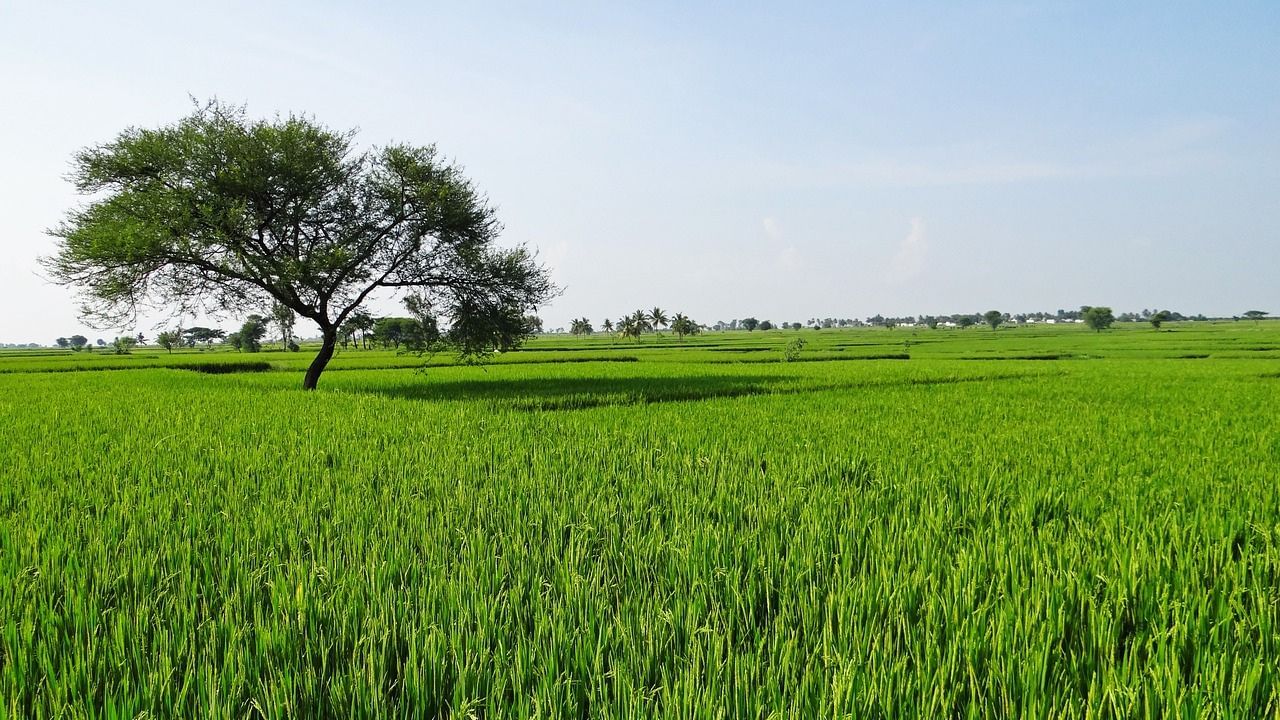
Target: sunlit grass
{"x":665,"y":538}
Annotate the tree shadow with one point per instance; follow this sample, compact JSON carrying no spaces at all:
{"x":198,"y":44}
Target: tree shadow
{"x":578,"y":393}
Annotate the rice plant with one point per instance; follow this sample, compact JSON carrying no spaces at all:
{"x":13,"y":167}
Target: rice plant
{"x":674,"y":537}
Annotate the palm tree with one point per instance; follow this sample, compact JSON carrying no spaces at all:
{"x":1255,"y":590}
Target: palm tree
{"x":681,"y":325}
{"x":642,"y":323}
{"x":607,"y":325}
{"x":634,"y":325}
{"x":658,"y":317}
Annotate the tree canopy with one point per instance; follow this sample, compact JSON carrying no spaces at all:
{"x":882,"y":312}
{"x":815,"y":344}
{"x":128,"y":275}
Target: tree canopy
{"x":221,"y":213}
{"x":249,"y":337}
{"x":1098,"y":317}
{"x":658,"y":317}
{"x":634,"y":324}
{"x":682,"y":325}
{"x":202,"y":335}
{"x":581,"y":326}
{"x":169,"y":339}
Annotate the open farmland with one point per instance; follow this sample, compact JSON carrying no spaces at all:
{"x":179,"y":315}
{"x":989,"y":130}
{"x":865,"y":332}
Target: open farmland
{"x":1033,"y":522}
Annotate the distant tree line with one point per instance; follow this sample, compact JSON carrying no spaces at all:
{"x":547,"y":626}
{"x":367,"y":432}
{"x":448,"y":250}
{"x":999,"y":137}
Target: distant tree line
{"x":121,"y":345}
{"x":636,"y":324}
{"x":422,"y":333}
{"x":991,"y":318}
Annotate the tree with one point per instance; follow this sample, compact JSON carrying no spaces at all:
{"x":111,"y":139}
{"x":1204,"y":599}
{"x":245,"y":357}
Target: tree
{"x":966,"y":321}
{"x":249,"y":337}
{"x":765,"y":325}
{"x":391,"y":331}
{"x":203,"y":335}
{"x":640,"y":323}
{"x":347,"y":333}
{"x":283,"y":317}
{"x":1158,"y":318}
{"x":791,"y":352}
{"x":581,"y":326}
{"x":607,"y":325}
{"x":993,"y":318}
{"x":361,"y":320}
{"x":124,"y":344}
{"x":63,"y":343}
{"x":750,"y":323}
{"x":1255,"y":315}
{"x":1099,"y":318}
{"x":682,"y":325}
{"x":658,"y":317}
{"x":78,"y":342}
{"x":169,"y":339}
{"x":141,"y":339}
{"x":219,"y":212}
{"x":634,"y":325}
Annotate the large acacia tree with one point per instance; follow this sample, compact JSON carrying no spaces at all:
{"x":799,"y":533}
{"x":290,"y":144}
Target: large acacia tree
{"x":222,"y":213}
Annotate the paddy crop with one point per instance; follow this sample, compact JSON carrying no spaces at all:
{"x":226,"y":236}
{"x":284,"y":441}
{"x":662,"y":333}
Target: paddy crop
{"x":677,"y":536}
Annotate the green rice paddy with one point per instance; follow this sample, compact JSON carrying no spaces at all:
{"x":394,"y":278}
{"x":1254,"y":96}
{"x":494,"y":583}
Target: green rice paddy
{"x":1033,"y":522}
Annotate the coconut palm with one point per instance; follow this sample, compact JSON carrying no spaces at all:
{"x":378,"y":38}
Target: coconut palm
{"x":634,"y":325}
{"x":658,"y":317}
{"x":642,"y":322}
{"x":681,"y":325}
{"x":607,"y":325}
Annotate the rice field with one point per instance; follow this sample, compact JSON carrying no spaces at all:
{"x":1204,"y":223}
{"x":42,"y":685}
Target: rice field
{"x":1034,"y":522}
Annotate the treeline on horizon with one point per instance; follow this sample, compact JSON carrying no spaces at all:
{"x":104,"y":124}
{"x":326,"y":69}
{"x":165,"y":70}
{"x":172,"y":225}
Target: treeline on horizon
{"x":364,"y":330}
{"x":968,"y":319}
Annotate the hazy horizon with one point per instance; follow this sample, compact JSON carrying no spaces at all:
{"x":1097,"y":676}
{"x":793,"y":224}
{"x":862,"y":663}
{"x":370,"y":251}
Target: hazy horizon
{"x":829,"y":161}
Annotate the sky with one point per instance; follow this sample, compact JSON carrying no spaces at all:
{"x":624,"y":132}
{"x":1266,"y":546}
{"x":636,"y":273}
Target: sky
{"x":725,"y":160}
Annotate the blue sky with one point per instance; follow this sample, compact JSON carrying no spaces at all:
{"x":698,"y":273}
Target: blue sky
{"x":727,"y":160}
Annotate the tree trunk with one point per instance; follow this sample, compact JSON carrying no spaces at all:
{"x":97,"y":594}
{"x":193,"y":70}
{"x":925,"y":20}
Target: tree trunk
{"x":330,"y":336}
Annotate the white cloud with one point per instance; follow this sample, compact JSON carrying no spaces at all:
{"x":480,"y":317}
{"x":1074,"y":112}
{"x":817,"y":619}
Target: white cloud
{"x":771,"y":229}
{"x":908,"y":261}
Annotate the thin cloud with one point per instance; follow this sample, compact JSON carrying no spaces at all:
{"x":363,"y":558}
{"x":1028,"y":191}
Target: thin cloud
{"x":909,"y":260}
{"x":1172,"y":148}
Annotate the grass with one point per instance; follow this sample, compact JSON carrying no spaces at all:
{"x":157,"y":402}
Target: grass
{"x":674,"y":536}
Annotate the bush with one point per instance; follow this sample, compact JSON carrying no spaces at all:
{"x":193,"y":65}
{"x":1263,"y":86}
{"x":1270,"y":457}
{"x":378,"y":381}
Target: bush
{"x":791,"y":352}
